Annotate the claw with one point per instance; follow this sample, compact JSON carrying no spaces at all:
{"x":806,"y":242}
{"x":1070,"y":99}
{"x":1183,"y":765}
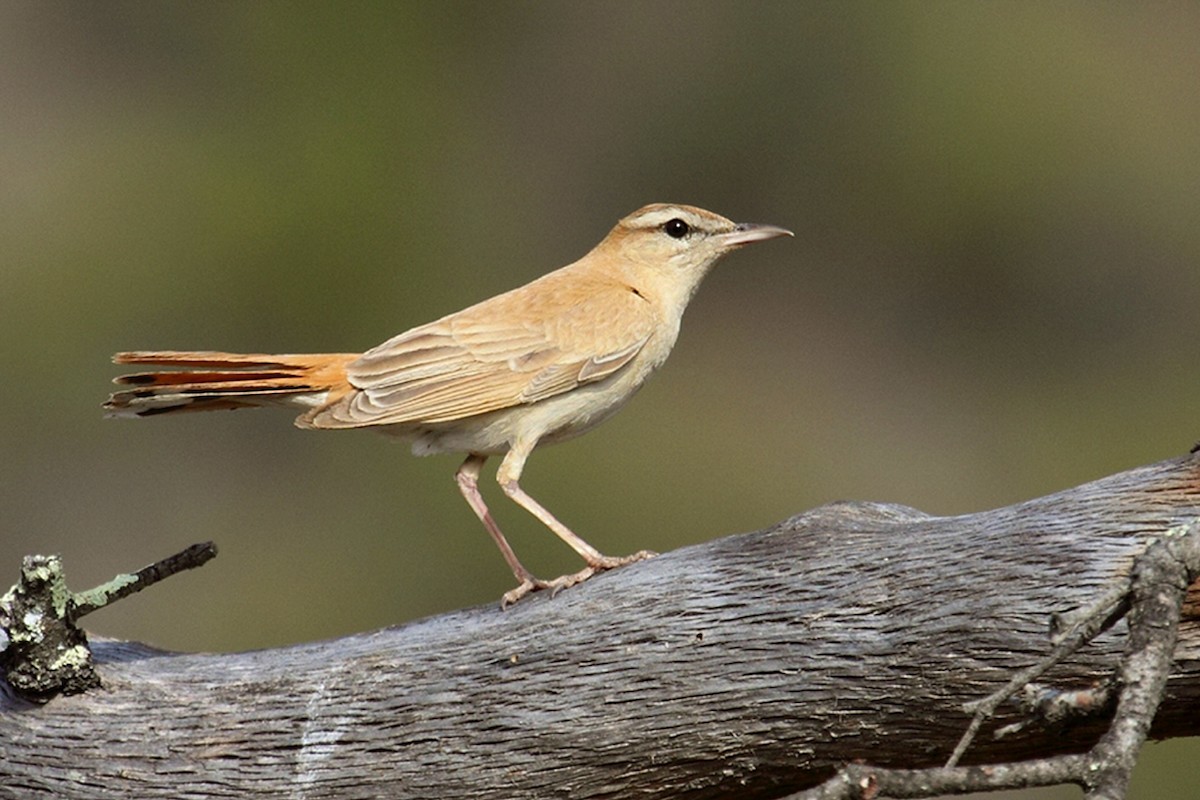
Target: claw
{"x":531,"y":584}
{"x":610,"y":562}
{"x":513,"y":595}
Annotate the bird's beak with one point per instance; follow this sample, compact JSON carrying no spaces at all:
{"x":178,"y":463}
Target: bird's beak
{"x":747,"y":232}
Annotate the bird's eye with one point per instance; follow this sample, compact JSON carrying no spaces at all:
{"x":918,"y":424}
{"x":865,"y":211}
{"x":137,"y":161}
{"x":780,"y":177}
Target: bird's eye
{"x":676,"y":228}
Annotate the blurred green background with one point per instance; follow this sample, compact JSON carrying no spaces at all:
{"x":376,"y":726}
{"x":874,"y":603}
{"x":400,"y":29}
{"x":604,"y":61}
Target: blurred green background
{"x":992,"y":294}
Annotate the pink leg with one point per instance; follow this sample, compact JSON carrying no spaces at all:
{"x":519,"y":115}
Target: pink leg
{"x":467,"y":478}
{"x":508,"y":476}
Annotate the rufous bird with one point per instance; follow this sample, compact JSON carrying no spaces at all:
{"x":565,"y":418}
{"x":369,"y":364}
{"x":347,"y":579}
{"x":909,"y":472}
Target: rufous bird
{"x":536,"y":365}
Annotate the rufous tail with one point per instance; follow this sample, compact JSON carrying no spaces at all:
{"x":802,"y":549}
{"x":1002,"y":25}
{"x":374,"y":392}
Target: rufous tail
{"x":207,"y":381}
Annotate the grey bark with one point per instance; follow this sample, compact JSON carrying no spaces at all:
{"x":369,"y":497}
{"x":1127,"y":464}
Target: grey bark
{"x":750,"y":666}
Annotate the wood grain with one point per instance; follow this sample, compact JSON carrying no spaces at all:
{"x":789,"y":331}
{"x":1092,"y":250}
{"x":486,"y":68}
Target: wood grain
{"x":752,"y":665}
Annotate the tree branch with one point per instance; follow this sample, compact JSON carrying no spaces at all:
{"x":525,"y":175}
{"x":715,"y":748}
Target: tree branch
{"x":754,"y":665}
{"x":42,"y":651}
{"x":1154,"y":596}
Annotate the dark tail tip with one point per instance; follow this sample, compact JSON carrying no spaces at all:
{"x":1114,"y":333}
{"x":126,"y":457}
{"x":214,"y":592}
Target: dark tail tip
{"x":139,"y":378}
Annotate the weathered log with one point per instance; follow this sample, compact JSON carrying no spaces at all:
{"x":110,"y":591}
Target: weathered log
{"x":753,"y":665}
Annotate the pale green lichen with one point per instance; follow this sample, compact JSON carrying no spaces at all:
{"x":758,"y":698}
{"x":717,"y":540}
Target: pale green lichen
{"x":1183,"y":529}
{"x":77,"y":657}
{"x":33,"y":624}
{"x":51,"y":654}
{"x":45,"y":570}
{"x":101,"y":594}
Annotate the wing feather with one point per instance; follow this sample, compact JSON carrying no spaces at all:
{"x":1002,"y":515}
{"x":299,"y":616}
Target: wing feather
{"x":501,"y":353}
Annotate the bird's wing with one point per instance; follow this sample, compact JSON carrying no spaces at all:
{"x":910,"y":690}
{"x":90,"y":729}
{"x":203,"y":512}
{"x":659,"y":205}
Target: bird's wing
{"x":508,"y":351}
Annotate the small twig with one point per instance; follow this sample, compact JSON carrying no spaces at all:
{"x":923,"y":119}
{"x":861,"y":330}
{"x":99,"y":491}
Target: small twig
{"x":1154,"y":604}
{"x":1085,"y":625}
{"x":1106,"y":611}
{"x":861,"y":782}
{"x":84,"y":603}
{"x":1161,"y":577}
{"x":1047,"y":705}
{"x":43,"y":652}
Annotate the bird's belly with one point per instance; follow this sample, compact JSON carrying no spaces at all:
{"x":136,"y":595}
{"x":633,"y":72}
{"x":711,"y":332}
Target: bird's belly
{"x":552,"y":420}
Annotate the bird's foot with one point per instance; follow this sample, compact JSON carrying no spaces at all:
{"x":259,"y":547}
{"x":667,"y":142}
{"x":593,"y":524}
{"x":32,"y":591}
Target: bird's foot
{"x":555,"y":586}
{"x":609,"y":562}
{"x":531,"y":584}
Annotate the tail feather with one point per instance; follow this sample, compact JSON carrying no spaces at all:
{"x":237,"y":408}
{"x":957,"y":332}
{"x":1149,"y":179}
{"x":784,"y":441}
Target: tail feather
{"x":215,"y":358}
{"x":196,"y":376}
{"x":209,"y":380}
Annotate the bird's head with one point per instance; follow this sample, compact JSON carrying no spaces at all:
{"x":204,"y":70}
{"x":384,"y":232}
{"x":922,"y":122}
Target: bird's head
{"x":678,"y":244}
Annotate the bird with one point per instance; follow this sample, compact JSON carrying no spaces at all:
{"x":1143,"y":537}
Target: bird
{"x":536,"y":365}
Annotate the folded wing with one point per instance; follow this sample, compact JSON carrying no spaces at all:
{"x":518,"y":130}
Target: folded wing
{"x":496,"y":355}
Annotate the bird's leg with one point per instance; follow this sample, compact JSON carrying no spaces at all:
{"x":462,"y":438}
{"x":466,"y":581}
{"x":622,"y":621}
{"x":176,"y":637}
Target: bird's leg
{"x":508,"y":477}
{"x":467,"y":478}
